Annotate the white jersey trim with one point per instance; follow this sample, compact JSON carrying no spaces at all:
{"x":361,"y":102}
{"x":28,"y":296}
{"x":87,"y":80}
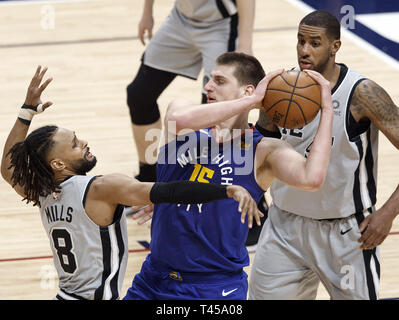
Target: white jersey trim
{"x":114,"y":262}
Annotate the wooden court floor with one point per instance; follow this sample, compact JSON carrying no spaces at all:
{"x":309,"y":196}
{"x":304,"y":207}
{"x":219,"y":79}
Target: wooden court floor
{"x":92,"y":52}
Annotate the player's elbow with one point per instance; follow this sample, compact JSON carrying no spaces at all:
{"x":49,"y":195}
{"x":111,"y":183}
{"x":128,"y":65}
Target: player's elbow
{"x":5,"y":173}
{"x":315,"y":182}
{"x":176,"y":118}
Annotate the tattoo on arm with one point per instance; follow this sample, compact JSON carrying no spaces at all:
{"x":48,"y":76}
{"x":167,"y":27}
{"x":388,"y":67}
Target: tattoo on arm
{"x":372,"y":102}
{"x":265,"y":122}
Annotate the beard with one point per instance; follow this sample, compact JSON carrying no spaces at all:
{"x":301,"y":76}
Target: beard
{"x":82,"y":166}
{"x":321,"y":66}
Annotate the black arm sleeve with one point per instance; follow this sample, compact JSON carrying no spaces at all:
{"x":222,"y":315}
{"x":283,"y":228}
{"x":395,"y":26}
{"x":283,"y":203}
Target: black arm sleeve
{"x":186,"y":192}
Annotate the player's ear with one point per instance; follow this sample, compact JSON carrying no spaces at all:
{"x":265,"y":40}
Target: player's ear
{"x":248,"y":90}
{"x":336,"y":44}
{"x":57,"y":165}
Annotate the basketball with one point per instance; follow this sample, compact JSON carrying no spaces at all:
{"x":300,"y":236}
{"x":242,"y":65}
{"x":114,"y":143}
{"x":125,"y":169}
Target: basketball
{"x":292,"y":99}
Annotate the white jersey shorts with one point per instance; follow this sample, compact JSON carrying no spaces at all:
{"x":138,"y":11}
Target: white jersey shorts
{"x":183,"y":48}
{"x":295,"y":253}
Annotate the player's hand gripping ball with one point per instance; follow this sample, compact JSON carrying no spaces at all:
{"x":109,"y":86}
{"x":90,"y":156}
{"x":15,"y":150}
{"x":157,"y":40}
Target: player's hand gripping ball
{"x":292,"y":99}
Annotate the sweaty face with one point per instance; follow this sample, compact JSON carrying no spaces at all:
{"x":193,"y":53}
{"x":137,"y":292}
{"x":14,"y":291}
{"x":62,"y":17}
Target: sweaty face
{"x":313,"y":48}
{"x":223,"y":85}
{"x":73,"y":152}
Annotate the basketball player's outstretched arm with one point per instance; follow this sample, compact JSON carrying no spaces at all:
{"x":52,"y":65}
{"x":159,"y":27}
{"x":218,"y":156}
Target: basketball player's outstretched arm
{"x":195,"y":117}
{"x":114,"y":189}
{"x":277,"y":159}
{"x":372,"y":102}
{"x":21,"y":126}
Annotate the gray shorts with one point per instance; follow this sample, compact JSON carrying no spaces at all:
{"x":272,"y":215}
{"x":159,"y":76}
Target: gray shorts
{"x":295,"y":253}
{"x":183,"y":48}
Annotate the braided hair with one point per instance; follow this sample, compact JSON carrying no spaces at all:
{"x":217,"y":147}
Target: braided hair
{"x":31,"y":170}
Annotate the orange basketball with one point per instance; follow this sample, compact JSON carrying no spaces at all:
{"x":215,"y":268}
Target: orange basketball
{"x":292,"y":99}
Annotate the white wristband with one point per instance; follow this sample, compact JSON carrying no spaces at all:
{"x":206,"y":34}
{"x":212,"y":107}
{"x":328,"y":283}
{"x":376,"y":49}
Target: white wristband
{"x":27,"y":112}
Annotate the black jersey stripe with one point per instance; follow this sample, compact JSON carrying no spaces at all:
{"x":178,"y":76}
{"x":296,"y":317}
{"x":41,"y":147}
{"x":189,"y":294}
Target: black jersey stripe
{"x":357,"y":198}
{"x":106,"y":245}
{"x":367,"y":256}
{"x":342,"y":74}
{"x":71,"y":295}
{"x":222,"y":9}
{"x":121,"y":249}
{"x":87,"y":190}
{"x":369,"y":160}
{"x":354,"y":129}
{"x":367,"y":154}
{"x":231,"y":44}
{"x":107,"y":256}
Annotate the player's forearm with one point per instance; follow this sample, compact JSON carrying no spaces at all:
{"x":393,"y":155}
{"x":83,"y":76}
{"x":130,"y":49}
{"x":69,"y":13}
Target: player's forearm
{"x":246,"y":17}
{"x":186,"y":192}
{"x":148,"y":6}
{"x":17,"y":134}
{"x":202,"y":116}
{"x":320,"y":152}
{"x":392,"y":205}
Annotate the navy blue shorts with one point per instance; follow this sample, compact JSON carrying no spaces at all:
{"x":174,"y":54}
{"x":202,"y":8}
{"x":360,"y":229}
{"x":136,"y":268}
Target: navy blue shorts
{"x":159,"y":283}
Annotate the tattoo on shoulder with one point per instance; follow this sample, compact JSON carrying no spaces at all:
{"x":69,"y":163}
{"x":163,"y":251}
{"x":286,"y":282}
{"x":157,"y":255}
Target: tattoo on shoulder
{"x":373,"y":102}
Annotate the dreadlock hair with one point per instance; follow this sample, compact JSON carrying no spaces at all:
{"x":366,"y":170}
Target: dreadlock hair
{"x":31,"y":170}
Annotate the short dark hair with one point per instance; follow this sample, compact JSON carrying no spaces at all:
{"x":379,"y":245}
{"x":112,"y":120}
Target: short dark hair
{"x":324,"y":19}
{"x":31,"y":170}
{"x":248,"y":68}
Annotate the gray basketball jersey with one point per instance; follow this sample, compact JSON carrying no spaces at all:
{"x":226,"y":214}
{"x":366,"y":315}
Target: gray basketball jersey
{"x":90,"y":259}
{"x":350,"y":185}
{"x":191,"y":38}
{"x":206,"y":11}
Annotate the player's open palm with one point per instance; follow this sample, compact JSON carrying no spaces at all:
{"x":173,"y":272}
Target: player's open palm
{"x":246,"y":204}
{"x":36,"y":88}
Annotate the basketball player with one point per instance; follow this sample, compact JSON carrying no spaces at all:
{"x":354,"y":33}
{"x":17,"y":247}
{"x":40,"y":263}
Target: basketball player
{"x":198,"y":252}
{"x":330,"y":235}
{"x":190,"y":39}
{"x":83,"y":215}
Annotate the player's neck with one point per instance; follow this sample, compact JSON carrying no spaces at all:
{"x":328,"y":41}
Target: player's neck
{"x":230,"y":129}
{"x":331,"y":73}
{"x":61,"y":176}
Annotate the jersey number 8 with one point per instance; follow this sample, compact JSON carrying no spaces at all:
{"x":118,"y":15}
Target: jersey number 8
{"x":62,"y":242}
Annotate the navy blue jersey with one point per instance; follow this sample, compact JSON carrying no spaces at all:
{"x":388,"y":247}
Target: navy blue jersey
{"x":205,"y":237}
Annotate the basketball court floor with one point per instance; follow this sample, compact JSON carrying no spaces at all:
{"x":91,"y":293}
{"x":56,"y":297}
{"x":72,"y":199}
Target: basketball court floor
{"x":92,"y":52}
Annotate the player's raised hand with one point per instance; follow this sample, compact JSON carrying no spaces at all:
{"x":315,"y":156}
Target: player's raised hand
{"x":246,"y":204}
{"x":36,"y":88}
